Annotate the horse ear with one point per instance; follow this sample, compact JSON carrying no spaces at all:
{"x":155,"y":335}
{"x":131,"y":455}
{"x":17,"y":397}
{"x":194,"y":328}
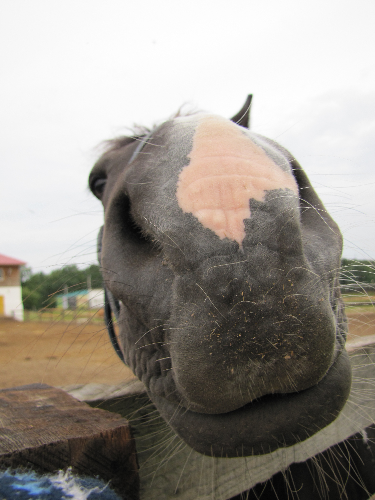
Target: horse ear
{"x":243,"y":116}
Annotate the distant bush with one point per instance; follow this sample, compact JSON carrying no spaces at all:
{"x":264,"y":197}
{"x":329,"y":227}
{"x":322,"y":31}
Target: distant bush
{"x":357,"y":274}
{"x":39,"y":290}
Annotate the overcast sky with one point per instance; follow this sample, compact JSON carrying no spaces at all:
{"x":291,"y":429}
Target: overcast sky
{"x":76,"y":72}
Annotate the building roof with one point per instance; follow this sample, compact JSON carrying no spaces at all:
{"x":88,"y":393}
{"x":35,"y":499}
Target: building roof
{"x":79,"y":293}
{"x":73,"y":294}
{"x":9,"y":261}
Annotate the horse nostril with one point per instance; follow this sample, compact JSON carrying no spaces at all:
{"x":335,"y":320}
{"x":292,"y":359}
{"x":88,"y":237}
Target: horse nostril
{"x":129,"y":228}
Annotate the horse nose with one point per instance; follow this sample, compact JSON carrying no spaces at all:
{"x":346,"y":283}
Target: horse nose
{"x":223,"y":195}
{"x":244,"y":331}
{"x":227,"y":170}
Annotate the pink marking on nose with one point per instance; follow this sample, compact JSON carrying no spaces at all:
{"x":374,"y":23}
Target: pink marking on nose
{"x":226,"y":170}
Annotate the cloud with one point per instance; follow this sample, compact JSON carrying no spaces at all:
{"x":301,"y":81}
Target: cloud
{"x":333,"y":138}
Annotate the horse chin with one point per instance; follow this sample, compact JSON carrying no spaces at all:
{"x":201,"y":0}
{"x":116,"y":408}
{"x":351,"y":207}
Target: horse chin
{"x":266,"y":424}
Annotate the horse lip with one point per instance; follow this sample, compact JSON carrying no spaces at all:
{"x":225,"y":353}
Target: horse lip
{"x":264,"y":425}
{"x":277,"y":395}
{"x":242,"y":384}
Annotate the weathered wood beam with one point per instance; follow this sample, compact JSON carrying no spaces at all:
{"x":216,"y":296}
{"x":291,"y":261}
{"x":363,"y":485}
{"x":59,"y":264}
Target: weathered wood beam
{"x":46,"y":429}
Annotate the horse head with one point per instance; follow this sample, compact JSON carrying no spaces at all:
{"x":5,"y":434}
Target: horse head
{"x":224,"y":264}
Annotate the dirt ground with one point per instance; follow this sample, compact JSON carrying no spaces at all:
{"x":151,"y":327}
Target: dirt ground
{"x":57,"y":354}
{"x":62,"y":354}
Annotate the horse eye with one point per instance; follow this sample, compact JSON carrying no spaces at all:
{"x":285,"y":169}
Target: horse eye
{"x":98,"y":186}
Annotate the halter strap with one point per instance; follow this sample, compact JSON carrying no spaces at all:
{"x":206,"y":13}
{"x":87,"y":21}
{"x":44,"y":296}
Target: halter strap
{"x":110,"y":304}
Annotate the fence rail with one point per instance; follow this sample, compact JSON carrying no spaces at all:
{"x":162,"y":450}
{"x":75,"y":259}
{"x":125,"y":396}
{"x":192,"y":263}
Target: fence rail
{"x":65,"y":315}
{"x":359,"y":303}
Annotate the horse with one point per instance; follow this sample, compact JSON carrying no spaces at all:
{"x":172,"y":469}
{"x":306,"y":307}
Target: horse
{"x":221,"y":265}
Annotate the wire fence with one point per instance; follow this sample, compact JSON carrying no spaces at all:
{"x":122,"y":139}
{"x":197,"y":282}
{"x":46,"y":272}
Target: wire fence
{"x":79,"y":315}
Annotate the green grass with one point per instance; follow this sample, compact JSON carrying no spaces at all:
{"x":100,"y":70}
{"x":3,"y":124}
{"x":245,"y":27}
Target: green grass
{"x":66,"y":316}
{"x":360,"y":308}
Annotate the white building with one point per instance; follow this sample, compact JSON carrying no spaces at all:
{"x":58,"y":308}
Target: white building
{"x":10,"y":288}
{"x":95,"y":298}
{"x":87,"y":299}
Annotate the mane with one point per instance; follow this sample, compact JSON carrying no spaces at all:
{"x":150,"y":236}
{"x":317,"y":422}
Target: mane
{"x":137,"y":131}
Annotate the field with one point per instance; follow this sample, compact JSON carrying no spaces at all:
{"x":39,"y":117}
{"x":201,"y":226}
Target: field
{"x":62,"y":353}
{"x":58,"y":354}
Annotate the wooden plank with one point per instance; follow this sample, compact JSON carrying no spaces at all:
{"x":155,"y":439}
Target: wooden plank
{"x":46,"y":429}
{"x":170,"y":469}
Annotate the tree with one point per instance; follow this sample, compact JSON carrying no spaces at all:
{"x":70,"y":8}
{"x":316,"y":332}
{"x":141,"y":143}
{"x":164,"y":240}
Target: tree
{"x":39,"y":290}
{"x":357,"y":274}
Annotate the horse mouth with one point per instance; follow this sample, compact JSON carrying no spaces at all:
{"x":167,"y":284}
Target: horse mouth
{"x":266,"y":424}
